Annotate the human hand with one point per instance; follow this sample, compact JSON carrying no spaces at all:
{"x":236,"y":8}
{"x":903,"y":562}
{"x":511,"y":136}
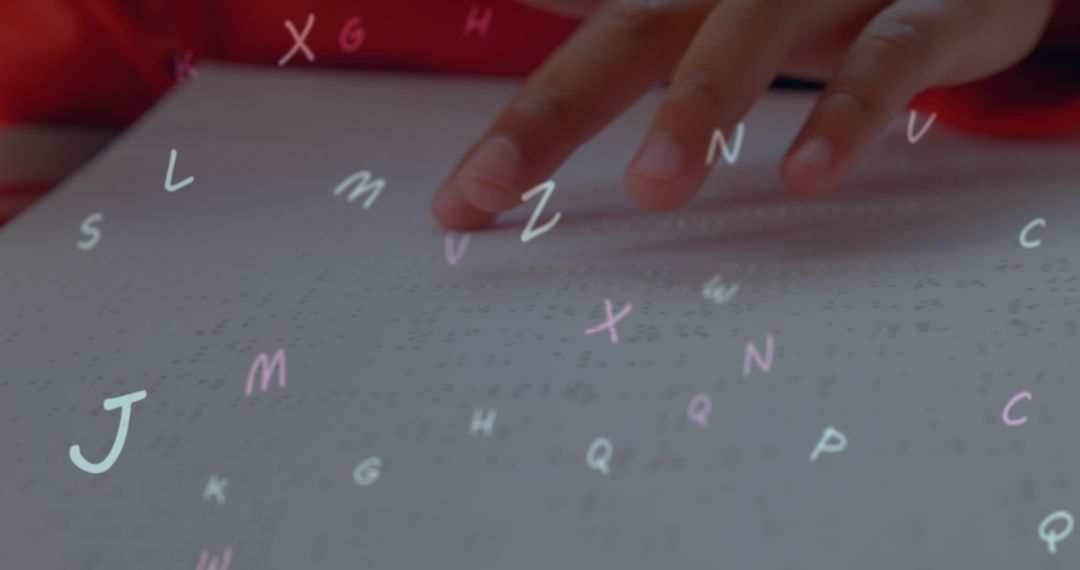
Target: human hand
{"x":720,"y":56}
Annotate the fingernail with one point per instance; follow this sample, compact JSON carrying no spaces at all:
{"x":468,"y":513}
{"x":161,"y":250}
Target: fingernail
{"x":455,"y":212}
{"x":813,"y":157}
{"x":496,"y":161}
{"x":660,"y":158}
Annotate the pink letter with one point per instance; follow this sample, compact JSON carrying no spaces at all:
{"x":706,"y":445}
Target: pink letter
{"x":266,"y":366}
{"x":214,"y":562}
{"x":298,"y":41}
{"x":452,"y":256}
{"x":752,"y":356}
{"x":352,"y":35}
{"x":1025,"y":395}
{"x":184,"y":67}
{"x":477,"y":22}
{"x":609,"y":323}
{"x":699,"y":409}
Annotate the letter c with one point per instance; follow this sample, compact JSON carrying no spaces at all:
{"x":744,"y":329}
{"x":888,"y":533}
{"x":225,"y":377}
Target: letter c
{"x":1024,"y":241}
{"x":1009,"y":421}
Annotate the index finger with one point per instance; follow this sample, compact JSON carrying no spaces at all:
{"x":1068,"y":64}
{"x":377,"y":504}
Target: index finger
{"x":620,"y":51}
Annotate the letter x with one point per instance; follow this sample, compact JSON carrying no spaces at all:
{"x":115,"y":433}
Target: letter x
{"x":298,"y":41}
{"x":609,"y":323}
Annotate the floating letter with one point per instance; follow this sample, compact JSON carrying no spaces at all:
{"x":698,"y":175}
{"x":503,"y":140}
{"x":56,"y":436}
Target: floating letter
{"x":599,"y":454}
{"x":609,"y":323}
{"x":453,"y":256}
{"x":483,"y":422}
{"x":364,"y":184}
{"x":475,"y":21}
{"x":169,"y":185}
{"x":1050,"y":537}
{"x":124,"y":403}
{"x":367,"y":471}
{"x":1009,"y":421}
{"x":832,"y":441}
{"x":718,"y":140}
{"x":91,"y":231}
{"x":912,"y":136}
{"x":716,"y":291}
{"x":753,"y":356}
{"x":1024,"y":241}
{"x":529,"y":233}
{"x":298,"y":41}
{"x":184,"y":67}
{"x":215,"y":489}
{"x":208,"y":563}
{"x":266,"y":366}
{"x":352,"y":35}
{"x":699,"y":409}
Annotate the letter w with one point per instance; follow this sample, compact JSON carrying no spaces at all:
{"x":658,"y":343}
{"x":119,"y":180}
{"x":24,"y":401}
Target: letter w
{"x":205,"y":557}
{"x":267,"y":366}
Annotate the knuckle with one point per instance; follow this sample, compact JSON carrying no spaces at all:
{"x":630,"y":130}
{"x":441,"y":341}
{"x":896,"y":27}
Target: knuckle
{"x":909,"y":38}
{"x":546,"y":103}
{"x":640,"y":17}
{"x":780,"y":6}
{"x":700,"y":87}
{"x":852,"y":98}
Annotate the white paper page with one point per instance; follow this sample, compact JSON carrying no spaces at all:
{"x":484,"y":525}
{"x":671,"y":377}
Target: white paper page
{"x":904,"y":313}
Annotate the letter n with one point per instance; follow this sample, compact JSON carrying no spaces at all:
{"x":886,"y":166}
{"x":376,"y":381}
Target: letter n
{"x":754,"y":357}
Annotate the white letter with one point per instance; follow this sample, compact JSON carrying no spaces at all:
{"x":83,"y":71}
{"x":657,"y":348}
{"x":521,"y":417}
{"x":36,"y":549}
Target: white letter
{"x":364,"y":184}
{"x":529,"y":233}
{"x":730,"y":155}
{"x":367,"y":471}
{"x":124,"y":403}
{"x":912,"y":136}
{"x":89,"y":229}
{"x":1024,"y":241}
{"x":169,"y":185}
{"x":1052,"y":538}
{"x":599,"y":455}
{"x":481,"y":423}
{"x":715,"y":290}
{"x":838,"y":443}
{"x":215,"y":489}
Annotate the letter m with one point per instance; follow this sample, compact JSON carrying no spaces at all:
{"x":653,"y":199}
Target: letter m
{"x":265,"y":366}
{"x":362,"y":183}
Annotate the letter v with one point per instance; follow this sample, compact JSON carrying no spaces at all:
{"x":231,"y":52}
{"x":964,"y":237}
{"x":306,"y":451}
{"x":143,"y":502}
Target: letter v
{"x":912,"y":136}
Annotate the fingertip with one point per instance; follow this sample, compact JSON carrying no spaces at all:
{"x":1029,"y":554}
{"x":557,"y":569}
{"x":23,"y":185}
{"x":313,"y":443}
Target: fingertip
{"x":656,"y":195}
{"x":809,"y":169}
{"x":454,"y":212}
{"x":488,"y":176}
{"x":656,"y":178}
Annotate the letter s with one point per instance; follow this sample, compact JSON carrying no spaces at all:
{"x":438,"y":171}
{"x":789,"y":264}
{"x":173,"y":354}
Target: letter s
{"x":93,"y":233}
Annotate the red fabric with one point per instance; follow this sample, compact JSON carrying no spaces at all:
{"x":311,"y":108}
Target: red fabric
{"x":1037,"y":99}
{"x":106,"y":61}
